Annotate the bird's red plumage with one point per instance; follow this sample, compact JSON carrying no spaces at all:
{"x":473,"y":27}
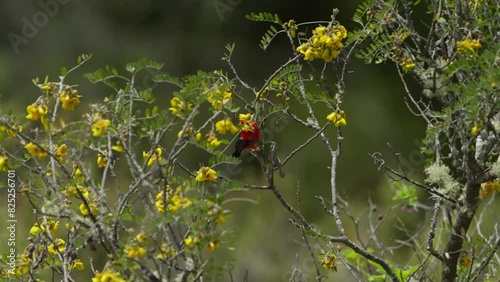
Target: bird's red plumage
{"x":248,"y":139}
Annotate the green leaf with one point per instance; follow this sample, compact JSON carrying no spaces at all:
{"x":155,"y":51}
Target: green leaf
{"x":263,"y":17}
{"x":230,"y":50}
{"x":141,"y":64}
{"x":168,"y":79}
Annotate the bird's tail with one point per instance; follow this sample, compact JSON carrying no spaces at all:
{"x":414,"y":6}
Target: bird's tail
{"x":236,"y":153}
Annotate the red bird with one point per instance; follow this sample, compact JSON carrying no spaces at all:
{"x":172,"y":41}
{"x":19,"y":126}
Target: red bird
{"x":249,"y":136}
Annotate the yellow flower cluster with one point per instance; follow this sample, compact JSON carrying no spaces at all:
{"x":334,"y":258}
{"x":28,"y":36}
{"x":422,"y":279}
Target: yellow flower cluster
{"x":85,"y":211}
{"x":166,"y":251}
{"x":151,"y":158}
{"x":72,"y":191}
{"x":57,"y":247}
{"x":338,"y":118}
{"x":99,"y":126}
{"x":174,"y":202}
{"x":180,"y":108}
{"x":107,"y":276}
{"x":190,"y":241}
{"x":325,"y":43}
{"x":206,"y":174}
{"x":246,"y":121}
{"x":102,"y":161}
{"x":226,"y":125}
{"x":37,"y":111}
{"x":61,"y":152}
{"x":5,"y":163}
{"x":189,"y":132}
{"x":488,"y":188}
{"x":35,"y":150}
{"x":46,"y":223}
{"x":11,"y":132}
{"x":141,"y":238}
{"x":213,"y":245}
{"x":220,"y":98}
{"x":76,"y":264}
{"x":135,"y":251}
{"x":212,"y":140}
{"x":69,"y":98}
{"x":468,"y":46}
{"x":329,"y":262}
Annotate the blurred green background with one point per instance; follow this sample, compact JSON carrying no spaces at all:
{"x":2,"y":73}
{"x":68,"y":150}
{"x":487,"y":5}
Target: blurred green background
{"x":190,"y":35}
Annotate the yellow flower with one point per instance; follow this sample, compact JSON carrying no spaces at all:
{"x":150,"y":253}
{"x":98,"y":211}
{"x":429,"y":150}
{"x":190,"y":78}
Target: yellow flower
{"x":118,"y":147}
{"x":338,"y":118}
{"x":198,"y":136}
{"x":35,"y":229}
{"x":225,"y":125}
{"x":100,"y":127}
{"x":180,"y":108}
{"x":324,"y":44}
{"x":215,"y":143}
{"x":465,"y":261}
{"x":320,"y":30}
{"x":468,"y":46}
{"x":107,"y":276}
{"x":178,"y":201}
{"x":134,"y":252}
{"x":189,"y":132}
{"x":213,"y":245}
{"x":85,"y":211}
{"x":47,"y":222}
{"x":159,"y":202}
{"x":245,"y":117}
{"x":329,"y":262}
{"x":174,"y":202}
{"x":219,"y":98}
{"x":57,"y":247}
{"x":206,"y":174}
{"x":141,"y":237}
{"x":4,"y":163}
{"x":70,"y":191}
{"x":11,"y":132}
{"x":61,"y":152}
{"x":77,"y":264}
{"x":69,"y":101}
{"x":488,"y":188}
{"x":77,"y":172}
{"x":36,"y":111}
{"x":478,"y":126}
{"x":102,"y":161}
{"x":408,"y":64}
{"x":152,"y":158}
{"x":190,"y":241}
{"x":35,"y":151}
{"x":166,"y":251}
